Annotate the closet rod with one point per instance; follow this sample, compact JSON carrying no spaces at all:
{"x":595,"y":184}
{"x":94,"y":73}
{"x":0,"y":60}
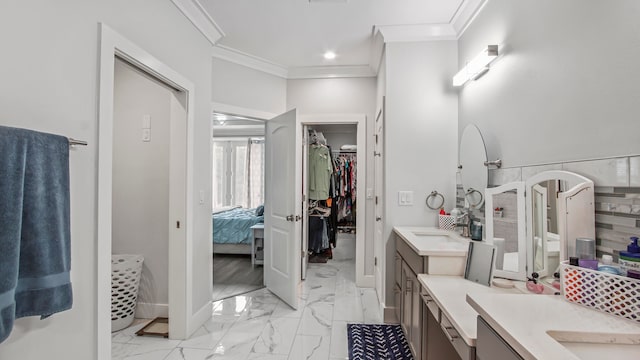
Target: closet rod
{"x":73,"y":142}
{"x":344,"y":152}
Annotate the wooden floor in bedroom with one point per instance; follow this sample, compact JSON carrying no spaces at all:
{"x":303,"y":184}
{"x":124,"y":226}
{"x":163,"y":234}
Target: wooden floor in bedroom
{"x":234,"y":275}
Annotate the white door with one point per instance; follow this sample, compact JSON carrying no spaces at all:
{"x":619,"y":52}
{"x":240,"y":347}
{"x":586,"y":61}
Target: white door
{"x":305,"y":201}
{"x":378,"y":199}
{"x":283,"y":207}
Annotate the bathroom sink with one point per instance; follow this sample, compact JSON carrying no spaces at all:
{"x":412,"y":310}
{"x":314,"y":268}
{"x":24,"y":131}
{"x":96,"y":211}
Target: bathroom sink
{"x":588,"y":346}
{"x":438,"y":241}
{"x":426,"y":241}
{"x":434,"y":238}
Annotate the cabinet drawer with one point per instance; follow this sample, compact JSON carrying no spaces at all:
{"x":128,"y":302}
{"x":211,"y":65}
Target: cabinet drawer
{"x":258,"y":232}
{"x":465,"y":351}
{"x":431,"y":304}
{"x":409,"y":256}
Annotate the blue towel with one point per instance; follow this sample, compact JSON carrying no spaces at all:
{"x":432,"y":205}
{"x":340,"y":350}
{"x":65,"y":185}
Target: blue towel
{"x":34,"y":226}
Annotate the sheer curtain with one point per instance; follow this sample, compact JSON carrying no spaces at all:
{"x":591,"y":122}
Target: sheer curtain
{"x":238,"y":172}
{"x":255,"y":171}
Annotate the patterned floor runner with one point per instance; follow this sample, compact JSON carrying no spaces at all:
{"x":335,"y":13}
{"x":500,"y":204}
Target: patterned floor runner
{"x":377,"y":342}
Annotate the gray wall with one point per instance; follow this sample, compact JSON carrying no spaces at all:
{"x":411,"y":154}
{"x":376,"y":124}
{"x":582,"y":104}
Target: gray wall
{"x":141,"y":179}
{"x":244,"y":87}
{"x":49,"y":78}
{"x":338,"y":135}
{"x":566,"y":87}
{"x":420,"y":135}
{"x":560,"y":93}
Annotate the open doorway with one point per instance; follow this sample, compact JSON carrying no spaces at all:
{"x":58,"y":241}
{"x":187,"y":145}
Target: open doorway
{"x":331,"y":218}
{"x":238,"y":204}
{"x":146,"y":111}
{"x":183,"y":319}
{"x":340,"y":139}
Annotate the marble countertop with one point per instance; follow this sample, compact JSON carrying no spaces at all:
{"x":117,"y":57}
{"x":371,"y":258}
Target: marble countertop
{"x":430,"y":241}
{"x":531,"y":324}
{"x":450,"y":294}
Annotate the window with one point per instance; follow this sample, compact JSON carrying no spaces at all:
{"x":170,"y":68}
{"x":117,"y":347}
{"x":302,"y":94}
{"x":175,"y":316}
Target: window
{"x":238,"y":172}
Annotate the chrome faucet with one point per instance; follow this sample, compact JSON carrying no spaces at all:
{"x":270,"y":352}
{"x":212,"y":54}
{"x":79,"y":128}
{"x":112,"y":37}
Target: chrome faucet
{"x":464,"y":221}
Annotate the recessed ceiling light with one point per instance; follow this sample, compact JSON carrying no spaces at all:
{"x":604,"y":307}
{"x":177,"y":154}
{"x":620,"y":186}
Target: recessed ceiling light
{"x":329,"y":55}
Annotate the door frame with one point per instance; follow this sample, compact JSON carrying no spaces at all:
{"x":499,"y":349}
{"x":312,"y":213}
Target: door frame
{"x":378,"y":207}
{"x":360,"y":120}
{"x":183,"y":321}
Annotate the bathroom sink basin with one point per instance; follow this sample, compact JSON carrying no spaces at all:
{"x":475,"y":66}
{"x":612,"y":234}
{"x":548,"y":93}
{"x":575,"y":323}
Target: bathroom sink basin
{"x":438,"y":241}
{"x":588,"y":346}
{"x":428,"y":241}
{"x":435,"y":238}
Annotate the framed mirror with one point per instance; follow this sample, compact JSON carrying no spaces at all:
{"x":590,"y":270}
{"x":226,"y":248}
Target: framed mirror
{"x":560,"y":208}
{"x":506,"y":229}
{"x":473,"y":173}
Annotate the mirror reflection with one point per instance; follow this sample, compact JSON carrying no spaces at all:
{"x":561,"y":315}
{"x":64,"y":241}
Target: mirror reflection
{"x":504,"y":212}
{"x":473,"y":173}
{"x":560,"y":209}
{"x":545,"y":225}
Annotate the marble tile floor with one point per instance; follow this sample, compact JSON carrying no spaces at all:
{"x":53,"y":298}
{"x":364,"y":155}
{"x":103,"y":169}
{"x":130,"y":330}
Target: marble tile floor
{"x":258,"y":325}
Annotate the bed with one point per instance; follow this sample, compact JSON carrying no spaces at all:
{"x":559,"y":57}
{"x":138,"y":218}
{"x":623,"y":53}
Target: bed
{"x":232,"y":229}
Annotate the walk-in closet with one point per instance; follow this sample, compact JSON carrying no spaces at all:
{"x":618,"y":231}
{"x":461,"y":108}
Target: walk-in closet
{"x":331,"y":179}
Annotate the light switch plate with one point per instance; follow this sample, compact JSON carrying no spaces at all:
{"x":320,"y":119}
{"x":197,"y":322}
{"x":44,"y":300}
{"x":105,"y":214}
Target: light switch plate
{"x":146,"y":121}
{"x":146,"y":135}
{"x":405,"y":198}
{"x":369,"y":193}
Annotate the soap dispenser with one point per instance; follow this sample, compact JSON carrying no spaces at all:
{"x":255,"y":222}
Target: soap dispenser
{"x":630,"y":259}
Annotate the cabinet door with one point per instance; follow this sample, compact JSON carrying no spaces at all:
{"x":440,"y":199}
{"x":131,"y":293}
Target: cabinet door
{"x":416,"y":317}
{"x":398,"y":269}
{"x":425,"y":333}
{"x":397,"y":297}
{"x":439,"y":347}
{"x":407,"y":289}
{"x":491,"y":346}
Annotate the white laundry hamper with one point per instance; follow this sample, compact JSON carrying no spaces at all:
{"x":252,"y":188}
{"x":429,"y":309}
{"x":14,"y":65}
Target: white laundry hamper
{"x":125,"y":280}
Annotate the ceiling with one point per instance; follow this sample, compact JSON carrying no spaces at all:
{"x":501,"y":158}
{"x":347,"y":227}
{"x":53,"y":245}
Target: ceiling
{"x":294,"y":34}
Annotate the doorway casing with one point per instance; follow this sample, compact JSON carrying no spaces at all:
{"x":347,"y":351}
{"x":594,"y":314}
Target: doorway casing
{"x":362,"y":280}
{"x":183,"y":320}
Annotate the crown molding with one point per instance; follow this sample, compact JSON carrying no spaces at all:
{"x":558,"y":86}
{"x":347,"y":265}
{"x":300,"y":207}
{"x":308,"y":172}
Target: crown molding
{"x":193,"y":10}
{"x":328,"y":72}
{"x":465,"y":15}
{"x":250,"y":61}
{"x":416,"y":32}
{"x":460,"y":21}
{"x":241,"y":111}
{"x":377,"y":51}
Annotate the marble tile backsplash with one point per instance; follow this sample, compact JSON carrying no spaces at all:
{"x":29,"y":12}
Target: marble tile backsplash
{"x":617,"y":195}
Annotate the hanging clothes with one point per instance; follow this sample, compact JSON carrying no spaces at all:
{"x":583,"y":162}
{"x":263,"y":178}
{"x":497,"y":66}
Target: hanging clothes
{"x":320,"y":171}
{"x":345,"y":168}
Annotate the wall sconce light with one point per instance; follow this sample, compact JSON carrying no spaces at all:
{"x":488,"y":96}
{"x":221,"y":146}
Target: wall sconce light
{"x":476,"y":67}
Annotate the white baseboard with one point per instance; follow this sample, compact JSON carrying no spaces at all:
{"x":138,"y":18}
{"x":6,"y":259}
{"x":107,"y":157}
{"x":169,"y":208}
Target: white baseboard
{"x":200,"y":317}
{"x":389,"y":315}
{"x":151,"y":311}
{"x":366,"y":281}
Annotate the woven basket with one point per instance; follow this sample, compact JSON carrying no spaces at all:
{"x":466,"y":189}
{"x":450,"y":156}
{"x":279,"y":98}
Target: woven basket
{"x":125,"y":278}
